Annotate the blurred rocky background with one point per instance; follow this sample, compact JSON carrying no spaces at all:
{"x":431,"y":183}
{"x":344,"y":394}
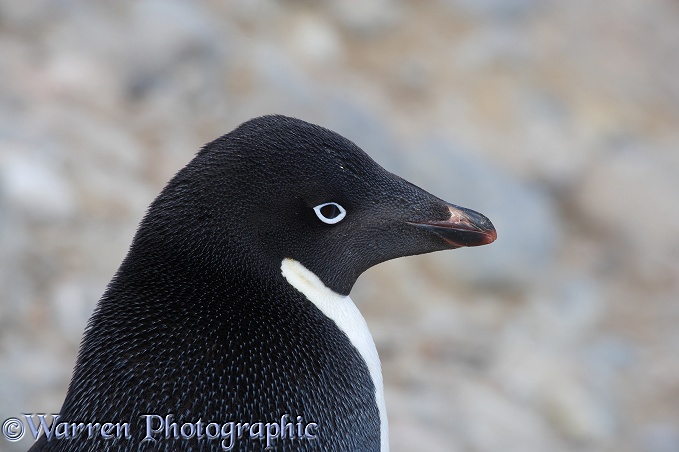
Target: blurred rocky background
{"x":558,"y":120}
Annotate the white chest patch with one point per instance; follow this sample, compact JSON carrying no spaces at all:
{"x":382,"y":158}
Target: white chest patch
{"x":348,"y":318}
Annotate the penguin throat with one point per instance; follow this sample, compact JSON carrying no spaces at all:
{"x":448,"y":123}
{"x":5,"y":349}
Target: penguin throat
{"x":342,"y":310}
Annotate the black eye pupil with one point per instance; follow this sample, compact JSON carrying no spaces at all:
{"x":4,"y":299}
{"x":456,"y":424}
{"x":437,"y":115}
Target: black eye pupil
{"x":330,"y":211}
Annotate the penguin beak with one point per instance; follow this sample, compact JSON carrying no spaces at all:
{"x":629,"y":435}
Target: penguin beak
{"x":465,"y":227}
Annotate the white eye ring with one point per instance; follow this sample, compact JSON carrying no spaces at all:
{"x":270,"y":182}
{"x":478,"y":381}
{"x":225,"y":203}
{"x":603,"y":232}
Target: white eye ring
{"x":336,"y":219}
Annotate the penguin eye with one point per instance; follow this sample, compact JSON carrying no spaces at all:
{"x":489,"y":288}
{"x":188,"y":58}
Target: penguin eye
{"x":330,"y":212}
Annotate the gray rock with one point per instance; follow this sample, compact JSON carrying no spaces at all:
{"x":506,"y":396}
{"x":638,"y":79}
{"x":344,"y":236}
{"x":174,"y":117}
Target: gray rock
{"x":71,"y":306}
{"x":316,"y":40}
{"x":496,"y":9}
{"x":368,"y":18}
{"x":659,"y":438}
{"x":172,"y":43}
{"x":34,"y":187}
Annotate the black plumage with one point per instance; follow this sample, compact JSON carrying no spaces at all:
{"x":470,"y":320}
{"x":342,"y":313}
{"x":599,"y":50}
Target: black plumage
{"x":199,"y":322}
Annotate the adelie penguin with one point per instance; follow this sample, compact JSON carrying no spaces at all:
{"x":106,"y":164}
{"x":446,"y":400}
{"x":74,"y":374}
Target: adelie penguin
{"x":231,"y":311}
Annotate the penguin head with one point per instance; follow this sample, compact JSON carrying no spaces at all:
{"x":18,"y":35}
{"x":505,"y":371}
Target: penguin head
{"x":278,"y":187}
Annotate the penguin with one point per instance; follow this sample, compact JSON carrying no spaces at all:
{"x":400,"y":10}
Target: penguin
{"x":228,"y":325}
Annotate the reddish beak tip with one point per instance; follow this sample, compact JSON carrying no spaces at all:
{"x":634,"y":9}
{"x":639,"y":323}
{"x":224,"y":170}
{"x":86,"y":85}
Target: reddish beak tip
{"x":465,"y":227}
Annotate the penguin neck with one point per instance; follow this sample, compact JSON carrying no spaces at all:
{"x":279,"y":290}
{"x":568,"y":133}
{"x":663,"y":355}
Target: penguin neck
{"x":342,"y":310}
